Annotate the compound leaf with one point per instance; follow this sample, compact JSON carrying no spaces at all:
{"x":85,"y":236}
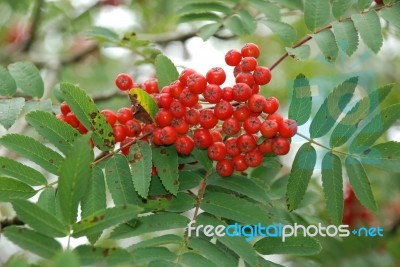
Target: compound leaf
{"x":141,"y":167}
{"x":327,"y":44}
{"x":316,"y":13}
{"x":28,"y":78}
{"x":300,"y":105}
{"x":346,"y":36}
{"x":299,"y":245}
{"x":369,"y":27}
{"x":13,"y":189}
{"x":21,"y":172}
{"x":165,"y":159}
{"x":9,"y":110}
{"x":165,"y":70}
{"x":8,"y":87}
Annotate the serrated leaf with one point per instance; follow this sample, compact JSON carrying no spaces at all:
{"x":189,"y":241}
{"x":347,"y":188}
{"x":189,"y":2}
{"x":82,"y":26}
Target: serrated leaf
{"x":196,"y":260}
{"x":95,"y":197}
{"x":301,"y":102}
{"x":188,"y":180}
{"x":300,"y":53}
{"x":205,"y":16}
{"x":364,"y":4}
{"x":346,"y":36}
{"x":86,"y":111}
{"x":202,"y":157}
{"x":239,"y":184}
{"x":145,"y":105}
{"x":101,"y":256}
{"x":390,"y":14}
{"x":158,"y":241}
{"x":339,"y":7}
{"x":165,"y":159}
{"x":300,"y":175}
{"x":375,"y":128}
{"x":21,"y":172}
{"x":269,"y":9}
{"x":32,"y":105}
{"x":165,"y":70}
{"x":248,"y":20}
{"x":369,"y":27}
{"x":8,"y":87}
{"x":9,"y":110}
{"x":235,"y":25}
{"x":59,"y":133}
{"x":28,"y":78}
{"x":332,"y":182}
{"x":119,"y":181}
{"x":299,"y":245}
{"x":102,"y":34}
{"x":385,"y":156}
{"x":359,"y":182}
{"x":208,"y":30}
{"x":67,"y":259}
{"x":103,"y":219}
{"x":283,"y":30}
{"x":316,"y":13}
{"x":164,"y":263}
{"x":141,"y":167}
{"x":212,"y":252}
{"x":39,"y":219}
{"x":234,"y":208}
{"x":349,"y":123}
{"x":148,"y":224}
{"x":33,"y":241}
{"x":13,"y":189}
{"x":332,"y":107}
{"x":74,"y":177}
{"x":48,"y":202}
{"x":144,"y":256}
{"x":33,"y":150}
{"x":180,"y":203}
{"x":327,"y":44}
{"x":204,"y":7}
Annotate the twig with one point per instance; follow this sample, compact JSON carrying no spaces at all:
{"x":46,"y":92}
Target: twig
{"x":34,"y":26}
{"x":200,"y":196}
{"x":9,"y":222}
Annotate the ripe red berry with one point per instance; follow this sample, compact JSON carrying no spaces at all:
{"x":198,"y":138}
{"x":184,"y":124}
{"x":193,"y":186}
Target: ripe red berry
{"x":236,"y":70}
{"x":239,"y":163}
{"x":245,"y":77}
{"x":224,"y":168}
{"x":253,"y":158}
{"x":62,"y":117}
{"x":148,"y":129}
{"x":166,"y":89}
{"x":125,"y":148}
{"x":288,"y":128}
{"x":216,"y":76}
{"x":110,"y":116}
{"x":185,"y":74}
{"x":280,"y":146}
{"x":242,"y":112}
{"x":231,"y":146}
{"x":151,"y":86}
{"x":252,"y":124}
{"x":124,"y":115}
{"x":157,"y":137}
{"x":233,"y":57}
{"x":64,"y":108}
{"x":231,"y":126}
{"x":256,"y":103}
{"x":262,"y":75}
{"x":165,"y":100}
{"x":241,"y":92}
{"x":188,"y":99}
{"x":269,"y":128}
{"x":246,"y":143}
{"x":192,"y":116}
{"x":181,"y":126}
{"x":184,"y":144}
{"x":216,"y":135}
{"x":124,"y":82}
{"x":227,"y":94}
{"x":271,"y":105}
{"x":82,"y":129}
{"x":266,"y":146}
{"x":213,"y":93}
{"x":196,"y":83}
{"x":216,"y":151}
{"x":168,"y":135}
{"x":119,"y":132}
{"x":163,"y":117}
{"x":202,"y":138}
{"x":255,"y":89}
{"x":250,"y":50}
{"x":223,"y":110}
{"x":207,"y":119}
{"x":176,"y":89}
{"x":276,"y":117}
{"x":133,"y":128}
{"x":72,"y":120}
{"x":177,"y":109}
{"x":248,"y":64}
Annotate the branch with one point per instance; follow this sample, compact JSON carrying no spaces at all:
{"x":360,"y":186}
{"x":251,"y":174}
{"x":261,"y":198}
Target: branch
{"x":200,"y":196}
{"x":34,"y":27}
{"x":9,"y":222}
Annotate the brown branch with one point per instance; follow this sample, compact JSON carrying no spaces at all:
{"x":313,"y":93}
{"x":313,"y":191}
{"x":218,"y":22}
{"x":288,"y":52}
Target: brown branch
{"x":9,"y":222}
{"x":200,"y":196}
{"x":34,"y":26}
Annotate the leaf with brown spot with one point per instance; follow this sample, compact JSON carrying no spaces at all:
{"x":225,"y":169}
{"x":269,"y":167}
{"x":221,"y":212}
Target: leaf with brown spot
{"x":168,"y":163}
{"x":102,"y":256}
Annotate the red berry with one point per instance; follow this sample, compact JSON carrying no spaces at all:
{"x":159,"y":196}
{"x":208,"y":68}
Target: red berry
{"x":110,"y":116}
{"x":269,"y":128}
{"x":177,"y":109}
{"x":227,"y":94}
{"x":255,"y":89}
{"x":184,"y":144}
{"x":163,"y":117}
{"x":288,"y":128}
{"x":188,"y":99}
{"x":166,"y":89}
{"x":239,"y":163}
{"x":248,"y":64}
{"x":185,"y":74}
{"x":266,"y":146}
{"x":241,"y":92}
{"x":176,"y":89}
{"x":192,"y":116}
{"x":250,"y":50}
{"x":231,"y":126}
{"x":196,"y":83}
{"x":124,"y":115}
{"x":64,"y":108}
{"x":148,"y":129}
{"x":61,"y":117}
{"x":181,"y":126}
{"x":168,"y":135}
{"x":231,"y":146}
{"x":207,"y":119}
{"x":262,"y":75}
{"x":165,"y":100}
{"x":216,"y":151}
{"x":72,"y":120}
{"x":124,"y":82}
{"x":119,"y":132}
{"x":224,"y":168}
{"x":151,"y":86}
{"x":271,"y":105}
{"x":125,"y":148}
{"x":202,"y":138}
{"x":280,"y":146}
{"x":157,"y":137}
{"x":253,"y":158}
{"x":213,"y":93}
{"x":233,"y":57}
{"x":256,"y":103}
{"x":216,"y":135}
{"x":133,"y":128}
{"x":276,"y":117}
{"x":216,"y":76}
{"x":245,"y":77}
{"x":242,"y":112}
{"x":246,"y":143}
{"x":82,"y":129}
{"x":252,"y":125}
{"x":223,"y":110}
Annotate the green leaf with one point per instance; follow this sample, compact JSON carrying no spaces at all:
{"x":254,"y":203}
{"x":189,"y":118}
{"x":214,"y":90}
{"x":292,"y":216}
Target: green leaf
{"x":269,"y":9}
{"x":235,"y":25}
{"x":302,"y":169}
{"x":95,"y":197}
{"x":234,"y":208}
{"x":74,"y":177}
{"x":300,"y":105}
{"x":196,"y":260}
{"x":283,"y":30}
{"x":67,"y":259}
{"x":332,"y":107}
{"x":158,"y":241}
{"x":208,"y":30}
{"x":241,"y":185}
{"x":146,"y":102}
{"x":375,"y":128}
{"x":102,"y":34}
{"x":360,"y":183}
{"x":21,"y":172}
{"x":202,"y":157}
{"x":143,"y":256}
{"x":390,"y":14}
{"x":188,"y":180}
{"x":205,"y":16}
{"x":327,"y":44}
{"x":39,"y":219}
{"x":179,"y":203}
{"x":14,"y":189}
{"x":101,"y":256}
{"x":32,"y":241}
{"x":340,"y":7}
{"x":166,"y":161}
{"x":28,"y":78}
{"x":163,"y":263}
{"x":9,"y":110}
{"x":48,"y":202}
{"x":299,"y":245}
{"x":141,"y":167}
{"x":369,"y":27}
{"x":86,"y":111}
{"x":165,"y":70}
{"x":300,"y":53}
{"x":316,"y":14}
{"x":33,"y":150}
{"x":332,"y":182}
{"x":119,"y":181}
{"x":248,"y":20}
{"x":8,"y":87}
{"x":349,"y":123}
{"x":364,"y":4}
{"x":212,"y":252}
{"x":385,"y":156}
{"x":59,"y":133}
{"x":17,"y":261}
{"x":346,"y":36}
{"x":103,"y":219}
{"x":291,"y":4}
{"x":148,"y":224}
{"x":32,"y":105}
{"x":204,"y":7}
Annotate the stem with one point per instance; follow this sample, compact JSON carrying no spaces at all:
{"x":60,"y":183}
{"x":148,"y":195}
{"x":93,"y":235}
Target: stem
{"x":321,"y":145}
{"x":47,"y":186}
{"x":200,"y":196}
{"x":34,"y":27}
